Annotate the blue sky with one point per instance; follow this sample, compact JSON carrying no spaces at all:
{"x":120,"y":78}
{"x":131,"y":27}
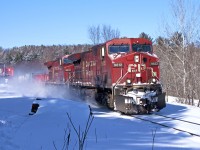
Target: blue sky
{"x":48,"y":22}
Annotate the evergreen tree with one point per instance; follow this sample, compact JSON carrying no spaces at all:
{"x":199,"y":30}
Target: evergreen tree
{"x":146,"y":36}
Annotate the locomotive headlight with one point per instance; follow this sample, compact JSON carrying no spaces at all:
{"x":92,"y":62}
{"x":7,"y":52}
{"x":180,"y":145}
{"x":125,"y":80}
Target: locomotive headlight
{"x":154,"y":80}
{"x":136,"y":58}
{"x":128,"y":81}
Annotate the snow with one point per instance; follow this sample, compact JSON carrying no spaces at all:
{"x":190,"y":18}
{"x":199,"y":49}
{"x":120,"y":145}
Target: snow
{"x":45,"y":130}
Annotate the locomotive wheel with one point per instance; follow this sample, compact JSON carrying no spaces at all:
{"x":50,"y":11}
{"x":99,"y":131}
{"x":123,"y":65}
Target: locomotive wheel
{"x":110,"y":101}
{"x":99,"y":98}
{"x":104,"y":99}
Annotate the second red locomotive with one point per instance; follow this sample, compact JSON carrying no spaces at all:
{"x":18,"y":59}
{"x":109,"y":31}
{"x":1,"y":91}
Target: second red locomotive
{"x":6,"y":73}
{"x":124,"y":74}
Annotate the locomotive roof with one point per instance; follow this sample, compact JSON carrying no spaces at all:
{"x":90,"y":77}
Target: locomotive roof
{"x":74,"y":57}
{"x":53,"y":62}
{"x":66,"y":56}
{"x":50,"y":63}
{"x":128,"y":41}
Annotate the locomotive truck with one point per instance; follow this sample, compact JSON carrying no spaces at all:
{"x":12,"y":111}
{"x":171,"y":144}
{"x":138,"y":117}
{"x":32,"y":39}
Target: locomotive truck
{"x":124,"y":73}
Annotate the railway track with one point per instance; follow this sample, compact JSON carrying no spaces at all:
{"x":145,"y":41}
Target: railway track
{"x":174,"y":118}
{"x":184,"y":126}
{"x":172,"y":123}
{"x":169,"y":122}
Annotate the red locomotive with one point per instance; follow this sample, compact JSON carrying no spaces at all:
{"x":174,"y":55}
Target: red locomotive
{"x":6,"y":71}
{"x":60,"y":70}
{"x":124,"y":74}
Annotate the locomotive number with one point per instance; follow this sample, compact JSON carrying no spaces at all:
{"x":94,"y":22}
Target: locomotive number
{"x":154,"y":63}
{"x":67,"y":70}
{"x":118,"y":65}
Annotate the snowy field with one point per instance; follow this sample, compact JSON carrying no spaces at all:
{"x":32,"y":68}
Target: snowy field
{"x":49,"y":128}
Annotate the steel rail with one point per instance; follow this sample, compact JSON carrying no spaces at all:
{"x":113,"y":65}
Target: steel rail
{"x":193,"y":134}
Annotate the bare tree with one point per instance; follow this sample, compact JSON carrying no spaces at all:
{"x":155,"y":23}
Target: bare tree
{"x":94,"y":34}
{"x":177,"y":52}
{"x":108,"y":33}
{"x":102,"y":33}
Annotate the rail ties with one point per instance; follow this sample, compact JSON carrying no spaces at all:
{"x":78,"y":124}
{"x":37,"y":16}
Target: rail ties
{"x":167,"y":126}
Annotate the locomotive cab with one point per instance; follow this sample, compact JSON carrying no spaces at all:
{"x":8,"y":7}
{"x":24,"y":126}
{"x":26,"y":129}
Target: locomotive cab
{"x":134,"y":76}
{"x":68,"y":68}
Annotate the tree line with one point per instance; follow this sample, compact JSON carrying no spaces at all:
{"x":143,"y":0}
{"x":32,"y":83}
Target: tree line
{"x":179,"y":51}
{"x":41,"y":53}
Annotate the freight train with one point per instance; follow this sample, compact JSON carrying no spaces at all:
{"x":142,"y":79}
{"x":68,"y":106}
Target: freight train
{"x":124,"y":73}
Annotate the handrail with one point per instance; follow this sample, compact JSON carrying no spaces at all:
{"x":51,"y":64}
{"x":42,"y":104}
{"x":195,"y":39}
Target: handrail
{"x":120,"y":78}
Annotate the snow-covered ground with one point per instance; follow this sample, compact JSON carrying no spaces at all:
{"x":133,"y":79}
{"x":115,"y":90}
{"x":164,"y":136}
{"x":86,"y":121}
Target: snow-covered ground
{"x":49,"y":128}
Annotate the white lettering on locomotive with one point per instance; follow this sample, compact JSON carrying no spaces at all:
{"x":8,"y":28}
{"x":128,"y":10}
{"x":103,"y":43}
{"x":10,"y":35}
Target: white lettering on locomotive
{"x":132,"y":68}
{"x":117,"y":65}
{"x":154,"y":63}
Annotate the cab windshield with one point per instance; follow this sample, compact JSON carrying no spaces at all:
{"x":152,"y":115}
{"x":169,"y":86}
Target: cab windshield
{"x":67,"y":61}
{"x":142,"y":48}
{"x":118,"y":48}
